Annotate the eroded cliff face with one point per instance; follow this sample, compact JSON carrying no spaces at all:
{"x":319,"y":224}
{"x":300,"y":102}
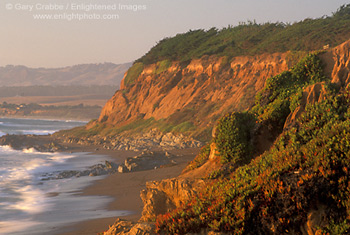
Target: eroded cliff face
{"x":198,"y":92}
{"x":166,"y":195}
{"x":337,"y":68}
{"x":337,"y":62}
{"x":206,"y":88}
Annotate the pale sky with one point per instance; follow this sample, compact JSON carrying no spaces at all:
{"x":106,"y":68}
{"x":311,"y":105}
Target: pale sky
{"x":127,"y":34}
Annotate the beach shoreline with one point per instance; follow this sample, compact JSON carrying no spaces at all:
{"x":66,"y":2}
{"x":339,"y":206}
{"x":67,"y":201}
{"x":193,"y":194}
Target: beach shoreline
{"x":122,"y":188}
{"x":125,"y":189}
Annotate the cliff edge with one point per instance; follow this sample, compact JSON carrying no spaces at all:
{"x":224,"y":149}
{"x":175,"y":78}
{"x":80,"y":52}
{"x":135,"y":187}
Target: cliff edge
{"x":190,"y":96}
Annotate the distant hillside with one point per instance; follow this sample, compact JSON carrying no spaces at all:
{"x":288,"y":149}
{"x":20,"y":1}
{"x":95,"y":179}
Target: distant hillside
{"x":88,"y":84}
{"x":99,"y":92}
{"x":78,"y":75}
{"x":67,"y":112}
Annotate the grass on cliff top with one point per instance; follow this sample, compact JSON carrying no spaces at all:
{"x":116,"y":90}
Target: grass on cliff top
{"x":307,"y":168}
{"x":133,"y":73}
{"x":252,"y":38}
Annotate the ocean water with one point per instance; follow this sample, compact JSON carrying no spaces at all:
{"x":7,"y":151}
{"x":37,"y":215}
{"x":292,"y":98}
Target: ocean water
{"x":20,"y":126}
{"x":31,"y":204}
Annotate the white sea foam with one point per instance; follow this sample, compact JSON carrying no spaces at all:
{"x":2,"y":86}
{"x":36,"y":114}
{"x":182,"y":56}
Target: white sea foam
{"x":32,"y":200}
{"x":36,"y":132}
{"x":25,"y":207}
{"x":20,"y":177}
{"x":6,"y":149}
{"x":13,"y":226}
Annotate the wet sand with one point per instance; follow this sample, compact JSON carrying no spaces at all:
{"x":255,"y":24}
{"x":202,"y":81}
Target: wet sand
{"x":124,"y":188}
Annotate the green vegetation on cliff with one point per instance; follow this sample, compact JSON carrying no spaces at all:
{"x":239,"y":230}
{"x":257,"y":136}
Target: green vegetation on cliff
{"x":233,"y":137}
{"x":306,"y":170}
{"x":252,"y":38}
{"x":133,"y":73}
{"x":281,"y":94}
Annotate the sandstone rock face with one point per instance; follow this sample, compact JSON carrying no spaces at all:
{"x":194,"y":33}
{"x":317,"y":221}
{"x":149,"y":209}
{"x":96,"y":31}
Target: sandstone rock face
{"x":337,"y":62}
{"x":166,"y":195}
{"x":213,"y":151}
{"x":202,"y":90}
{"x":123,"y":227}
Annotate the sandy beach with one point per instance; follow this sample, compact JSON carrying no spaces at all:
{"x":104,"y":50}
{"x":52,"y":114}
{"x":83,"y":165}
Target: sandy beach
{"x":124,"y":188}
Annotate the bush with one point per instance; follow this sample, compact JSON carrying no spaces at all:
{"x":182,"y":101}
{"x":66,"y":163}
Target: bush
{"x":233,"y":137}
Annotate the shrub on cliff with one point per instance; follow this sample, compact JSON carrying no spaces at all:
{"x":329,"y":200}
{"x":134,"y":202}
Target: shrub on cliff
{"x":233,"y":137}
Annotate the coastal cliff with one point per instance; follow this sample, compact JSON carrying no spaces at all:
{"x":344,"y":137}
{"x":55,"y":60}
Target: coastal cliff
{"x":186,"y":83}
{"x":183,"y":199}
{"x":192,"y":95}
{"x":272,"y":107}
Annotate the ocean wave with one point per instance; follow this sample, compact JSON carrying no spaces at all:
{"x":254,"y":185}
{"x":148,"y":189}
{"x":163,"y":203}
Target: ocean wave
{"x":23,"y":193}
{"x":6,"y":149}
{"x":13,"y":226}
{"x":38,"y":132}
{"x":32,"y":200}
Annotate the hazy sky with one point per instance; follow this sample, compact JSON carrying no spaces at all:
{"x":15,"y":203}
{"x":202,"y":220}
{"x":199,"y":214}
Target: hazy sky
{"x":97,"y":31}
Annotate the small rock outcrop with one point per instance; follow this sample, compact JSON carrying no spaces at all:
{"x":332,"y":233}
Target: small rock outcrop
{"x":160,"y":197}
{"x":34,"y":142}
{"x":123,"y":227}
{"x":95,"y":170}
{"x":146,"y":161}
{"x":337,"y":62}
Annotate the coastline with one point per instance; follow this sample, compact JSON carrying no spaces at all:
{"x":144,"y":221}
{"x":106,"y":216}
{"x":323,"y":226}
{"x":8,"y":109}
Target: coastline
{"x":125,"y":189}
